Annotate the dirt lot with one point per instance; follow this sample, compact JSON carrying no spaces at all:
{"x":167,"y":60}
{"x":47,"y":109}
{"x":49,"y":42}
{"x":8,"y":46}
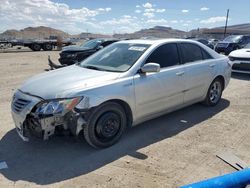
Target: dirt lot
{"x":170,"y":151}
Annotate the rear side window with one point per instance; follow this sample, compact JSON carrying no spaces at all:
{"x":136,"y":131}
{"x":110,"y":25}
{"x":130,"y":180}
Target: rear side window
{"x":165,"y":55}
{"x":190,"y":52}
{"x":206,"y":55}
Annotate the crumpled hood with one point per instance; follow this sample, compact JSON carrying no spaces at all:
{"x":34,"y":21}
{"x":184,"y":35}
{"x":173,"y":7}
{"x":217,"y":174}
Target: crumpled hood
{"x":58,"y":83}
{"x":75,"y":48}
{"x":242,"y":53}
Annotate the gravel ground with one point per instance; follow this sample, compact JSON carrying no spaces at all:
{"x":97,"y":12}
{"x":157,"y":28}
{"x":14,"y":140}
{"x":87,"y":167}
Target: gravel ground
{"x":169,"y":151}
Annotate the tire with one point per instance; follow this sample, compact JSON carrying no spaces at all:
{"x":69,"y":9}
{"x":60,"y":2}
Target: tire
{"x":36,"y":47}
{"x":106,"y":125}
{"x":214,"y":93}
{"x":47,"y":47}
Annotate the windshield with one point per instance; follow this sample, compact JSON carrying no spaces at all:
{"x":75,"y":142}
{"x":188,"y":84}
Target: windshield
{"x":117,"y":57}
{"x":234,"y":39}
{"x":91,"y":43}
{"x":247,"y":46}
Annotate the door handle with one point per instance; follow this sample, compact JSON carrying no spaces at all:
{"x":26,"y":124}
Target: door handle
{"x":211,"y":65}
{"x":180,"y":73}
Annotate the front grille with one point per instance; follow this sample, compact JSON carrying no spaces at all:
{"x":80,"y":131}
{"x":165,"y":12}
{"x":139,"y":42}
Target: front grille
{"x":241,"y":66}
{"x":19,"y":104}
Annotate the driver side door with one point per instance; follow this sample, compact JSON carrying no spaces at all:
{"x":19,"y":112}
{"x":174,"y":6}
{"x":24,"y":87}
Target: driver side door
{"x":160,"y":91}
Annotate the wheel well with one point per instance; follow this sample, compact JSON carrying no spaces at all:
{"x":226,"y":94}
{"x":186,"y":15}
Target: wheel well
{"x":127,"y":109}
{"x":220,"y":77}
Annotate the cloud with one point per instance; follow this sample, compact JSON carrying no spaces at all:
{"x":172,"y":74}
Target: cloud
{"x":185,"y":11}
{"x":204,"y":9}
{"x":138,"y":11}
{"x":149,"y":14}
{"x":108,"y":9}
{"x":174,"y":21}
{"x":160,"y":21}
{"x":212,"y":20}
{"x":19,"y":14}
{"x":149,"y":10}
{"x":127,"y":16}
{"x":160,"y":10}
{"x":147,"y":5}
{"x":137,"y":6}
{"x":126,"y":23}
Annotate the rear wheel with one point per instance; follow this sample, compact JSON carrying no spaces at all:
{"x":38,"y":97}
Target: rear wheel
{"x":47,"y":47}
{"x":214,"y":93}
{"x":106,"y":125}
{"x":36,"y":47}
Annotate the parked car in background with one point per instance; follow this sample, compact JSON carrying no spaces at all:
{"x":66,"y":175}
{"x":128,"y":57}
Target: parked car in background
{"x":205,"y":42}
{"x":240,"y":60}
{"x":72,"y":54}
{"x":214,"y":42}
{"x":118,"y":87}
{"x":231,"y":43}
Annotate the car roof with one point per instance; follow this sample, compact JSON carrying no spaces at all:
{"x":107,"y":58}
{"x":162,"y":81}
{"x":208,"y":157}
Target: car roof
{"x":156,"y":41}
{"x":109,"y":39}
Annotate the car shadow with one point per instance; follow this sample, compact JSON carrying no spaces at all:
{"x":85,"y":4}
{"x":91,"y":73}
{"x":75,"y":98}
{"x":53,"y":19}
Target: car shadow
{"x":63,"y":158}
{"x":241,"y":76}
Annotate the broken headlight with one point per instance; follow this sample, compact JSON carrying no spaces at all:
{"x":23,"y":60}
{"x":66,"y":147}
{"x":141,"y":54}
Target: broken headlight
{"x":61,"y":106}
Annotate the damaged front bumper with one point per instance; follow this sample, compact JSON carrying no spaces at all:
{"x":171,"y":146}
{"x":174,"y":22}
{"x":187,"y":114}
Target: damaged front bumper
{"x":30,"y":124}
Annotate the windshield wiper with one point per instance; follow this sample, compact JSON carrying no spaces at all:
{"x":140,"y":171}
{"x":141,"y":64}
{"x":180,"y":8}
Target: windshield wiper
{"x":93,"y":67}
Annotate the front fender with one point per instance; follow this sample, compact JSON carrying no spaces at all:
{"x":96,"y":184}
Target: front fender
{"x":121,"y":89}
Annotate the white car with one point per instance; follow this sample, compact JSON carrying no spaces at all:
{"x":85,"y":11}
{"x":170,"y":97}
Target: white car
{"x":240,"y":60}
{"x":118,"y":87}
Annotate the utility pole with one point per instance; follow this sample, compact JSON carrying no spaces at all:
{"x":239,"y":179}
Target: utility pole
{"x":225,"y":31}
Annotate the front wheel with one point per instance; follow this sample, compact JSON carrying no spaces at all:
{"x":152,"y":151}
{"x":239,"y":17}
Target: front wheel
{"x":214,"y":93}
{"x":106,"y":125}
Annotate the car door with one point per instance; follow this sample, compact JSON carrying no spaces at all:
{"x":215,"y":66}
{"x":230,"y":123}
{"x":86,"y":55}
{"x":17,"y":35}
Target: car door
{"x":199,"y":69}
{"x":161,"y":90}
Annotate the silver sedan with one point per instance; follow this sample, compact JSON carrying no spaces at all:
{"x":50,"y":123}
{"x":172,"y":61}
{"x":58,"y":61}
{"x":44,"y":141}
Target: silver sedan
{"x":120,"y":86}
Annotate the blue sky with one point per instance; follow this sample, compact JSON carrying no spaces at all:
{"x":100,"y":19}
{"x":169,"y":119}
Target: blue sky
{"x":117,"y":16}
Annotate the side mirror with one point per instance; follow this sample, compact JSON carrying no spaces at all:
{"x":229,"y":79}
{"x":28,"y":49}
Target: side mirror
{"x":150,"y":67}
{"x":99,"y":47}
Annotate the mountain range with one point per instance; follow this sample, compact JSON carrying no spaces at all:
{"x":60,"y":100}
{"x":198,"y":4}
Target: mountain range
{"x":157,"y":31}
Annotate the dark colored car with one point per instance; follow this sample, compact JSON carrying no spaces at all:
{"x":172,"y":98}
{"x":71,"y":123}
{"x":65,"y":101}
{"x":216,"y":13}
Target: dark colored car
{"x":231,"y":43}
{"x":205,"y":42}
{"x":72,"y":54}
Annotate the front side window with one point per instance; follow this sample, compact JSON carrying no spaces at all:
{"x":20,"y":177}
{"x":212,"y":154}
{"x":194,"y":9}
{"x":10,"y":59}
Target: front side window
{"x":165,"y":55}
{"x":190,"y":52}
{"x":117,"y":57}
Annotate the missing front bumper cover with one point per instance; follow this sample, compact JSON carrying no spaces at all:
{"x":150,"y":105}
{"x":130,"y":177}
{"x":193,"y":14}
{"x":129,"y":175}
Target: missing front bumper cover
{"x":44,"y":127}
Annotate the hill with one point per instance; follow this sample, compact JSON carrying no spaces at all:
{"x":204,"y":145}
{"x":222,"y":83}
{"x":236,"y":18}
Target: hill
{"x":157,"y":31}
{"x":33,"y":33}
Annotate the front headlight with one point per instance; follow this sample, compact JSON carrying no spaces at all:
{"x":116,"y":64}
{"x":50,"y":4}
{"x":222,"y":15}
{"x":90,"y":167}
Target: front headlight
{"x":61,"y":106}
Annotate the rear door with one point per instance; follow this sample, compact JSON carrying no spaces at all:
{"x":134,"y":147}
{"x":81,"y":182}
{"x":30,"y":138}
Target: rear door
{"x":199,"y":71}
{"x":162,"y":90}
